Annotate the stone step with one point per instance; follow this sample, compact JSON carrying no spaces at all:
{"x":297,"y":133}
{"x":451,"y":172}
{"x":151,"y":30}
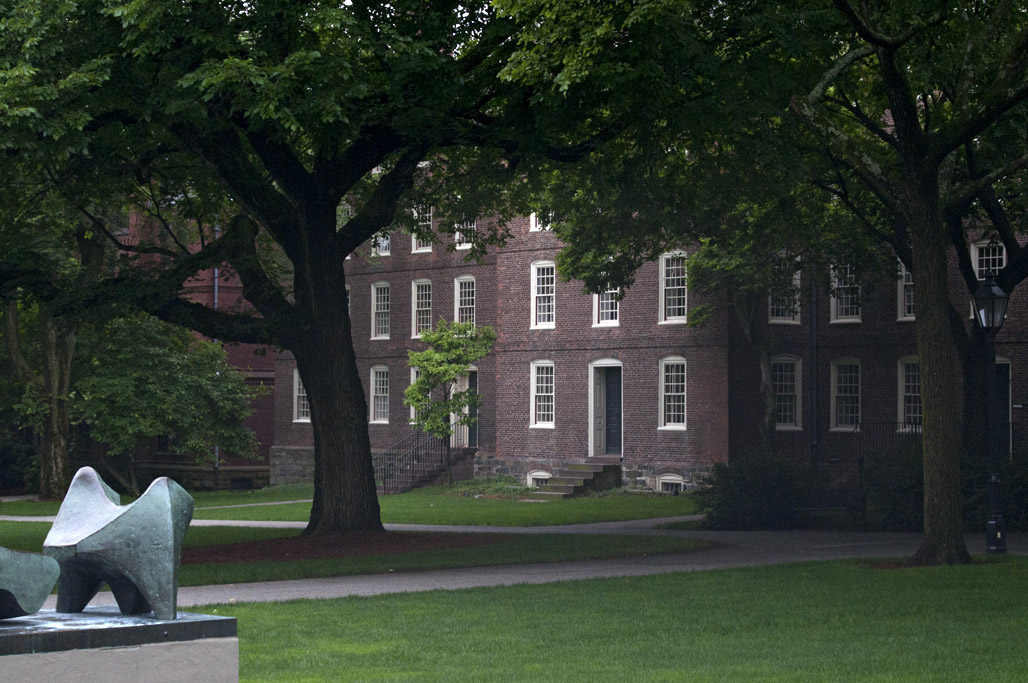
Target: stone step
{"x":564,"y":478}
{"x":551,"y":494}
{"x":567,"y":489}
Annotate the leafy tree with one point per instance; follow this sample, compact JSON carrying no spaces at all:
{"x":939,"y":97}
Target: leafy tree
{"x":289,"y":109}
{"x":911,"y":121}
{"x":438,"y":407}
{"x":149,"y":378}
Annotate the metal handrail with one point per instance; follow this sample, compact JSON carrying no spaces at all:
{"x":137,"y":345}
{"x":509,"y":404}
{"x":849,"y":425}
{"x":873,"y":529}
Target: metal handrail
{"x":402,"y":463}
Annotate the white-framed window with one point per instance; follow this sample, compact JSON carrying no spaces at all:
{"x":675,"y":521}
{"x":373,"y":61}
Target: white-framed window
{"x":784,"y":303}
{"x":670,"y":483}
{"x":539,"y":223}
{"x":909,"y":399}
{"x":989,"y":257}
{"x":415,"y":373}
{"x":904,"y":294}
{"x":380,"y":244}
{"x":543,"y":405}
{"x":845,"y":407}
{"x":423,"y":218}
{"x":544,"y":295}
{"x":845,"y":295}
{"x":421,"y":307}
{"x":380,"y":394}
{"x":464,"y":234}
{"x":787,"y":379}
{"x":301,"y":406}
{"x":672,"y":393}
{"x":343,"y":214}
{"x":538,"y":478}
{"x":606,"y":308}
{"x":464,"y":299}
{"x":673,"y":293}
{"x":380,"y":310}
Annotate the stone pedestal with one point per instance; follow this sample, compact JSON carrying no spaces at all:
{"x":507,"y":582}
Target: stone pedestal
{"x":100,"y":644}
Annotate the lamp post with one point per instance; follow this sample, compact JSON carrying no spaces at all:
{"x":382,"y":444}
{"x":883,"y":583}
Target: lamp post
{"x":990,"y":303}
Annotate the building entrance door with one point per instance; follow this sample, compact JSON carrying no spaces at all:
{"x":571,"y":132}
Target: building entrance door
{"x":605,"y":408}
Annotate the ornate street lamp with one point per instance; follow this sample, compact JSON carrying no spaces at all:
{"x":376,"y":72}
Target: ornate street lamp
{"x":990,"y":303}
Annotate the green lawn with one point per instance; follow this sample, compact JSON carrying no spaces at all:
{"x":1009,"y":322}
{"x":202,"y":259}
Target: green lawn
{"x":28,"y":536}
{"x":835,"y":621}
{"x":431,"y":505}
{"x":509,"y":549}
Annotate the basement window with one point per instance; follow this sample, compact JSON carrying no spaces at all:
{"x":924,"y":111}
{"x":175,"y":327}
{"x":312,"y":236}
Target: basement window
{"x":538,"y":477}
{"x":671,"y":483}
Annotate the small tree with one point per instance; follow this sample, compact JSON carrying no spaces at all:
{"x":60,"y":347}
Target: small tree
{"x":438,"y":407}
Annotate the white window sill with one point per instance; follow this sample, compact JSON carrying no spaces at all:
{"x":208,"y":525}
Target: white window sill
{"x":543,"y":327}
{"x":788,"y":428}
{"x":378,"y":422}
{"x":545,"y":425}
{"x":421,"y":251}
{"x":906,"y":319}
{"x":462,"y":247}
{"x":671,"y":428}
{"x":380,"y":338}
{"x":674,"y":321}
{"x":844,"y":321}
{"x":415,"y":336}
{"x":845,"y":430}
{"x":302,"y":420}
{"x":615,"y":323}
{"x":783,"y":321}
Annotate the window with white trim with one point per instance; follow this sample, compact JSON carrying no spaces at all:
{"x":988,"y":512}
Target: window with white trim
{"x":845,"y":407}
{"x":989,"y":258}
{"x":606,"y":308}
{"x":301,"y":406}
{"x":544,"y":294}
{"x":538,"y":478}
{"x":672,"y":392}
{"x":421,"y":307}
{"x":380,"y":394}
{"x":845,"y":294}
{"x":343,"y":214}
{"x":786,"y":378}
{"x":464,"y":299}
{"x":670,"y":483}
{"x":909,"y":403}
{"x":784,"y":301}
{"x":415,"y":373}
{"x":673,"y":294}
{"x":542,"y":405}
{"x":539,"y":223}
{"x":380,"y":310}
{"x":423,"y":218}
{"x":464,"y":234}
{"x":905,"y":294}
{"x":380,"y":244}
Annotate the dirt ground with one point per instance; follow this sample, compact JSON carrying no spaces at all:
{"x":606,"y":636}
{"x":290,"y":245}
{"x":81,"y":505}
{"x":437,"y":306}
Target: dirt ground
{"x":345,"y":544}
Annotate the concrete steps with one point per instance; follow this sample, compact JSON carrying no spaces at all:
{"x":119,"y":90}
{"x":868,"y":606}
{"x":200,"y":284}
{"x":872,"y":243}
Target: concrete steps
{"x":577,"y":478}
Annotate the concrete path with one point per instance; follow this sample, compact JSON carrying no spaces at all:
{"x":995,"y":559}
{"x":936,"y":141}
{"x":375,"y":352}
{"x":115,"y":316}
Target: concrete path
{"x":732,"y":549}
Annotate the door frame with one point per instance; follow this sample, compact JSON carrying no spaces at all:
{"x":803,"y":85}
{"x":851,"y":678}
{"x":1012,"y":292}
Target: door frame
{"x":594,"y":367}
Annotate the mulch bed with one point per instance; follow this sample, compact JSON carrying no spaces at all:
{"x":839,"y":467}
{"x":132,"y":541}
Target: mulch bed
{"x":343,"y":544}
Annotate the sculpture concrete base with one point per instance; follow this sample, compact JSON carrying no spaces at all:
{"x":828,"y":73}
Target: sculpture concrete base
{"x":100,"y":644}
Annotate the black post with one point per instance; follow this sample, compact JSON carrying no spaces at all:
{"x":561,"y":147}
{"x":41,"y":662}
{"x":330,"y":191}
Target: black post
{"x":995,"y":542}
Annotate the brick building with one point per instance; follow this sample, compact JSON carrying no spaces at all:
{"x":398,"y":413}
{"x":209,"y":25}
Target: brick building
{"x":575,"y":376}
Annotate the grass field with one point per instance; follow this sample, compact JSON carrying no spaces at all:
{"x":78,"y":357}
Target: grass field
{"x":834,"y":621}
{"x":509,"y":549}
{"x":433,"y":505}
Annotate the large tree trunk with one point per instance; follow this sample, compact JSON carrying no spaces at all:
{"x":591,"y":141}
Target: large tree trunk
{"x":58,"y":345}
{"x":943,"y":541}
{"x":345,"y":498}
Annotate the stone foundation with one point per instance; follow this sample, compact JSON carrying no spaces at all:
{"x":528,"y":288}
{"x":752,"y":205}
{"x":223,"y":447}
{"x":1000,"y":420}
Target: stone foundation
{"x":289,"y":465}
{"x":634,"y":475}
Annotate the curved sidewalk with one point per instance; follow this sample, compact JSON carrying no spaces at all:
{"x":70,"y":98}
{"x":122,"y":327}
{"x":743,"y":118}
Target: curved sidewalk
{"x":732,"y":549}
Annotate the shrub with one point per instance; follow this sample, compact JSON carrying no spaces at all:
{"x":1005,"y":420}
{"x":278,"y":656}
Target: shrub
{"x":755,"y":491}
{"x":894,"y":488}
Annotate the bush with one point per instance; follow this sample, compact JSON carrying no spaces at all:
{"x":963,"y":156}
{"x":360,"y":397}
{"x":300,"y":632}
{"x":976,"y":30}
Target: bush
{"x":19,"y":469}
{"x":894,"y":488}
{"x":755,"y":491}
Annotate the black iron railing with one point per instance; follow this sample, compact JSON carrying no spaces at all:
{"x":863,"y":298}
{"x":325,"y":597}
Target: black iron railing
{"x":400,"y":467}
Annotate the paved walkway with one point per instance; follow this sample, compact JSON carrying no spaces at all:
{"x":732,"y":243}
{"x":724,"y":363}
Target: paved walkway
{"x":731,"y":549}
